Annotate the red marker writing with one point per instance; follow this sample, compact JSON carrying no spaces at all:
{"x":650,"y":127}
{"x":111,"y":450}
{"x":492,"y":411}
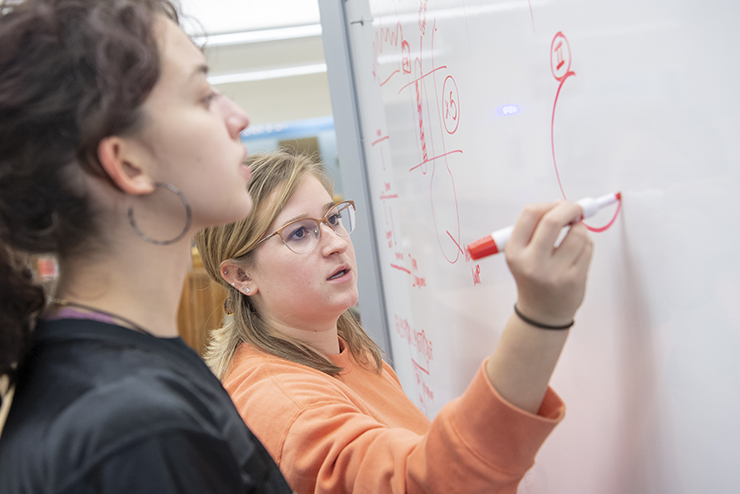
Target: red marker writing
{"x":496,"y":242}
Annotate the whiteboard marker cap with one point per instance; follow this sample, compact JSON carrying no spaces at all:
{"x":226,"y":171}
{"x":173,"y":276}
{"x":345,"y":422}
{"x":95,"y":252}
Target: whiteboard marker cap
{"x":483,"y":247}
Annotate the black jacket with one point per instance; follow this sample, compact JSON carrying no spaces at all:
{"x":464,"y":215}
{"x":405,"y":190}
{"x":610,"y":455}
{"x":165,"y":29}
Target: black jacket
{"x":101,"y":408}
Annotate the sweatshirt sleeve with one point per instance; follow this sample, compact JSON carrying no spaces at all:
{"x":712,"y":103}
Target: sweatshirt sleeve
{"x":478,"y":443}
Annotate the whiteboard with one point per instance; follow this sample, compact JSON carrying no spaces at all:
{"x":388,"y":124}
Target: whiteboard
{"x":471,"y":109}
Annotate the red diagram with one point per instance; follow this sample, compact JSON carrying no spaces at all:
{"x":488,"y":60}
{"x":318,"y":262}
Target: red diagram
{"x":436,"y":111}
{"x":421,"y":354}
{"x":433,"y":161}
{"x":560,"y":65}
{"x":392,"y":37}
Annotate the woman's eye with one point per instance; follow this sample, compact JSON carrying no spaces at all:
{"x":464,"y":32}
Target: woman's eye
{"x":334,"y":218}
{"x":209,"y":98}
{"x":300,"y":233}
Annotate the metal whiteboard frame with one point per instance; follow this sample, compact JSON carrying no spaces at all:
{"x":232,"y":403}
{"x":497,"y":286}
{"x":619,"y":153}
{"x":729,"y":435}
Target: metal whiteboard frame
{"x":353,"y":166}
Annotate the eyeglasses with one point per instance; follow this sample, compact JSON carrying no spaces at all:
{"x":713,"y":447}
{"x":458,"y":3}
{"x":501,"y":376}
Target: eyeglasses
{"x":302,"y":236}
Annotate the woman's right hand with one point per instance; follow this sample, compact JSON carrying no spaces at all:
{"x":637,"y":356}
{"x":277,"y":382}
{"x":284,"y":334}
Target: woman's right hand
{"x":551,"y":282}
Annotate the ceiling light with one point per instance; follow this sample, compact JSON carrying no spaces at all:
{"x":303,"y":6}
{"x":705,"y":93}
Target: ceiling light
{"x":259,"y":36}
{"x":260,"y":75}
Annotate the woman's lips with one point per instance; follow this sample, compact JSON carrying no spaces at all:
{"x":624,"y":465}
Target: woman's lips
{"x":341,"y":275}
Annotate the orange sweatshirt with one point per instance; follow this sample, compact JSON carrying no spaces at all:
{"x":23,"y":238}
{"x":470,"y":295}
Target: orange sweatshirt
{"x":359,"y":432}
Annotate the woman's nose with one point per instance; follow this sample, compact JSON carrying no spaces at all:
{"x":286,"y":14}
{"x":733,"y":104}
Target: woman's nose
{"x":236,"y":118}
{"x":330,"y":241}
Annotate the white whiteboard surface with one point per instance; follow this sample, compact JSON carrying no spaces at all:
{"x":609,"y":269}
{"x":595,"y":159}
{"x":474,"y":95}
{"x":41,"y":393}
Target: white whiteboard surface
{"x":457,"y":100}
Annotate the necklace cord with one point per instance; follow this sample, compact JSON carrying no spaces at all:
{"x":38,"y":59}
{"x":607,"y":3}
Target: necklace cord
{"x":67,"y":303}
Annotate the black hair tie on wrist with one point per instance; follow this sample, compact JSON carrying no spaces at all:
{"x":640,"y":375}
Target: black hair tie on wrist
{"x":540,"y":325}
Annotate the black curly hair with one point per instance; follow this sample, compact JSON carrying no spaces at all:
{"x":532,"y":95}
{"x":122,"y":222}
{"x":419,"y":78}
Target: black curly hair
{"x":72,"y":72}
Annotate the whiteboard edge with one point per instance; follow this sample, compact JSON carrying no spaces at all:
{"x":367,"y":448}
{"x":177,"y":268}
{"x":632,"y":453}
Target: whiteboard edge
{"x":353,"y":166}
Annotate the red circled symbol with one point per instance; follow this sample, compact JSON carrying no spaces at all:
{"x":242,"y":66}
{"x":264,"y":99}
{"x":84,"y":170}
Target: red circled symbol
{"x":451,"y":104}
{"x":560,"y":56}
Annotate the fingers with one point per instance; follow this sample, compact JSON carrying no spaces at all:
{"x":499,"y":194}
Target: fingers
{"x":526,"y":224}
{"x":583,"y":261}
{"x":574,"y":244}
{"x":554,"y":220}
{"x":539,"y":225}
{"x":550,"y":281}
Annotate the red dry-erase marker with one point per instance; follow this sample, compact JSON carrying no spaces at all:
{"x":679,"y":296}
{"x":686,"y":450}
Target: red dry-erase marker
{"x":496,"y":242}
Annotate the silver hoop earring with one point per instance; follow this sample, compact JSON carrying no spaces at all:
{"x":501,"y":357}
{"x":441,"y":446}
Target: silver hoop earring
{"x":188,"y":215}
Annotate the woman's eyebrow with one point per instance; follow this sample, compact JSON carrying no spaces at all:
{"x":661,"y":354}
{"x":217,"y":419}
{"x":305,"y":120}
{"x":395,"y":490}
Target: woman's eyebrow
{"x":326,"y":208}
{"x":199,"y":69}
{"x":300,"y":216}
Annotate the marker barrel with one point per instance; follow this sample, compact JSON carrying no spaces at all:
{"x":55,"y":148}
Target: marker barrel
{"x":496,"y":242}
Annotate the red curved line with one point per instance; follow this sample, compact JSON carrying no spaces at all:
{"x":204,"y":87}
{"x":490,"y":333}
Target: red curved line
{"x":379,"y":140}
{"x":389,"y":77}
{"x":554,"y":161}
{"x":447,"y":165}
{"x":418,"y":79}
{"x":455,"y":241}
{"x":419,"y":367}
{"x":531,"y":13}
{"x":434,"y":158}
{"x":608,"y":225}
{"x":552,"y":131}
{"x":401,"y":268}
{"x":457,"y":213}
{"x":434,"y":218}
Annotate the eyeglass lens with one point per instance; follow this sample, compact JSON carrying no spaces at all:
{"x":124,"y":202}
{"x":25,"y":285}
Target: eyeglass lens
{"x":302,"y":236}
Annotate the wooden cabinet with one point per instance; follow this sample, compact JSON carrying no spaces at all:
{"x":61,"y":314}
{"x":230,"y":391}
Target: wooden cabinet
{"x":201,"y":306}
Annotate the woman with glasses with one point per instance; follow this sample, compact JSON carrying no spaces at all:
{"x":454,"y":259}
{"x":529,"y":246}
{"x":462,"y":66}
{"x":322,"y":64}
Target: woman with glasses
{"x":312,"y":385}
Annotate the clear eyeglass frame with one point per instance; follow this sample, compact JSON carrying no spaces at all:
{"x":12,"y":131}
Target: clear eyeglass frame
{"x":344,"y":226}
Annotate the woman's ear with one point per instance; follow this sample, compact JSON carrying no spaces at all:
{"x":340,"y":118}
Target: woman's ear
{"x":119,"y":160}
{"x":236,"y":276}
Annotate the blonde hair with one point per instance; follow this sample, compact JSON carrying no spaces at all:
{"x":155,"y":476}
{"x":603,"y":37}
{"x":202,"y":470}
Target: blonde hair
{"x":275,"y":178}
